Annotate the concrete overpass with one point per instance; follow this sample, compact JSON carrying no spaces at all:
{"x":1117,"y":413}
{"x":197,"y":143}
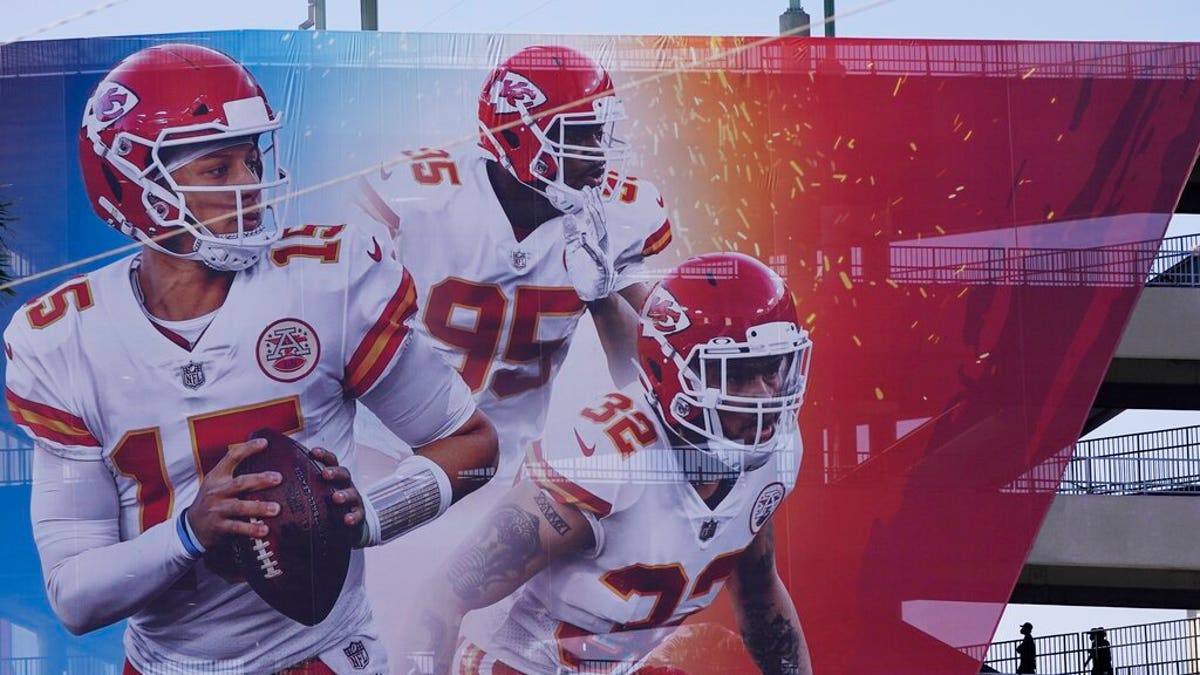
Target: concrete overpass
{"x":1132,"y":550}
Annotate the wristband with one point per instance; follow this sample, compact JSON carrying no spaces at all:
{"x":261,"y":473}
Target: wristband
{"x":190,"y":543}
{"x":417,"y":492}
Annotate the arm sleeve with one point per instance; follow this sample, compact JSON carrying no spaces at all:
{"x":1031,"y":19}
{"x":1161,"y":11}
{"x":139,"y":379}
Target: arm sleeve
{"x":382,"y":298}
{"x":39,"y":382}
{"x":643,"y":230}
{"x":92,"y":577}
{"x":421,"y":398}
{"x":577,"y":463}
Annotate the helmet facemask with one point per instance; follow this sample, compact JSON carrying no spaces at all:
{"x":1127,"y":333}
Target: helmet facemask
{"x":719,"y":378}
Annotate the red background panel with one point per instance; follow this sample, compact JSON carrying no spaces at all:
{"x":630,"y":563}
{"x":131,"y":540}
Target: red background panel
{"x":966,"y":227}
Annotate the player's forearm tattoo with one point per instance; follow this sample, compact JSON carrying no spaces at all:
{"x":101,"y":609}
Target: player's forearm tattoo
{"x":556,"y":521}
{"x":772,"y":639}
{"x":499,"y":557}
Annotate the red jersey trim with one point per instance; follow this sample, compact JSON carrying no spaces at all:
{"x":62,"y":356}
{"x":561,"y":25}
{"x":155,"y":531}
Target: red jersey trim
{"x":656,"y":242}
{"x":49,"y":422}
{"x":381,"y":342}
{"x":561,"y":488}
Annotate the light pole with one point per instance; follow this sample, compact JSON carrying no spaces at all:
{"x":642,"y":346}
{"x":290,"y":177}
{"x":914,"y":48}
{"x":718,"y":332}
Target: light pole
{"x":795,"y":21}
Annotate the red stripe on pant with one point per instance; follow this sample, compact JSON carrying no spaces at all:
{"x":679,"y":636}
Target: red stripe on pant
{"x":309,"y":667}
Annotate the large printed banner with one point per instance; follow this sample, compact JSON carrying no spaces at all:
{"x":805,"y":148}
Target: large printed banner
{"x":963,"y":228}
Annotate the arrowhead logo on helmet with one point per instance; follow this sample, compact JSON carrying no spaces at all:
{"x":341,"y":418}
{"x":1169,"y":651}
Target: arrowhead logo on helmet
{"x":664,"y":314}
{"x":110,"y":104}
{"x":514,"y":89}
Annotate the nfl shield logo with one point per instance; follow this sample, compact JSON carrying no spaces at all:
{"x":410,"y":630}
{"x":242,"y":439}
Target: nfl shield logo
{"x":357,"y":653}
{"x":520,"y":259}
{"x":708,"y":529}
{"x":193,"y":375}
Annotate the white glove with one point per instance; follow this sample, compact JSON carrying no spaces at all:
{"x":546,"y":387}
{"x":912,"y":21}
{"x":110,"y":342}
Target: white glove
{"x":589,"y":262}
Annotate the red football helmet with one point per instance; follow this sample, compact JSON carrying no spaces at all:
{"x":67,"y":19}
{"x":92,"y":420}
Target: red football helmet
{"x":528,"y":107}
{"x":157,"y":110}
{"x":720,"y":335}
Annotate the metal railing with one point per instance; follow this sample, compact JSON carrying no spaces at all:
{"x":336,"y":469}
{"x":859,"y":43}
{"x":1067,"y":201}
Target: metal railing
{"x":41,"y":665}
{"x":16,"y":466}
{"x":1151,"y":462}
{"x":1163,"y":648}
{"x":1171,"y":262}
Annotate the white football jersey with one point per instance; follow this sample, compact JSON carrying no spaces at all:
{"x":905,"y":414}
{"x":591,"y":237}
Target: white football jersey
{"x":302,"y":334}
{"x":661,"y":553}
{"x":502,"y":311}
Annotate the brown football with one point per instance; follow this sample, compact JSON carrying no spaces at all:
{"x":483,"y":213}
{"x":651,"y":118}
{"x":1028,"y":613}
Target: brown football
{"x":301,"y":565}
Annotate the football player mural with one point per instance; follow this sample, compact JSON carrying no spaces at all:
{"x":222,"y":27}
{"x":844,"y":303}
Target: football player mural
{"x":140,"y":382}
{"x":965,"y":268}
{"x":664,"y":489}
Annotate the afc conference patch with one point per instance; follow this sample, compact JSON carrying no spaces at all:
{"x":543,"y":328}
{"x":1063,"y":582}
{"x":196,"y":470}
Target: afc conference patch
{"x":768,"y":500}
{"x":288,"y":349}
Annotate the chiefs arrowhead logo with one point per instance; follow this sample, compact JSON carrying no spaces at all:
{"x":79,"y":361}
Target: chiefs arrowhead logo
{"x":513,"y":89}
{"x":663,"y":314}
{"x":111,"y":102}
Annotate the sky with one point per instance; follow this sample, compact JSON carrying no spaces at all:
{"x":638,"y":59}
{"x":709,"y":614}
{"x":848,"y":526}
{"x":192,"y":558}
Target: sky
{"x":1123,"y":20}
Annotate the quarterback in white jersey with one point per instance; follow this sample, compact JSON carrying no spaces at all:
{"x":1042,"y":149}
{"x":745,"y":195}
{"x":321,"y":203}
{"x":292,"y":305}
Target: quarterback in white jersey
{"x":635,"y":512}
{"x":510,"y":242}
{"x":140,"y":382}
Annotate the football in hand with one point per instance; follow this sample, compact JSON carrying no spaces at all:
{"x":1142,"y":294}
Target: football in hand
{"x":300,"y":566}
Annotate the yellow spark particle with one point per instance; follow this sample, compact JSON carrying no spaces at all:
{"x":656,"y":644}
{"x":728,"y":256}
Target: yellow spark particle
{"x":857,"y":342}
{"x":960,"y":188}
{"x":796,"y":167}
{"x":850,"y":143}
{"x":940,"y":229}
{"x":742,"y":235}
{"x":1050,"y":216}
{"x":840,"y":177}
{"x":878,"y":393}
{"x":809,"y":319}
{"x":724,"y":81}
{"x":963,"y":291}
{"x":1060,"y":137}
{"x":914,"y":324}
{"x":845,"y":280}
{"x":896,"y":89}
{"x":837,"y":142}
{"x":891,"y":283}
{"x":1028,"y":73}
{"x":984,"y":355}
{"x":923,"y":293}
{"x":968,"y":136}
{"x":1054,"y":99}
{"x":825,"y":263}
{"x":912,"y":145}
